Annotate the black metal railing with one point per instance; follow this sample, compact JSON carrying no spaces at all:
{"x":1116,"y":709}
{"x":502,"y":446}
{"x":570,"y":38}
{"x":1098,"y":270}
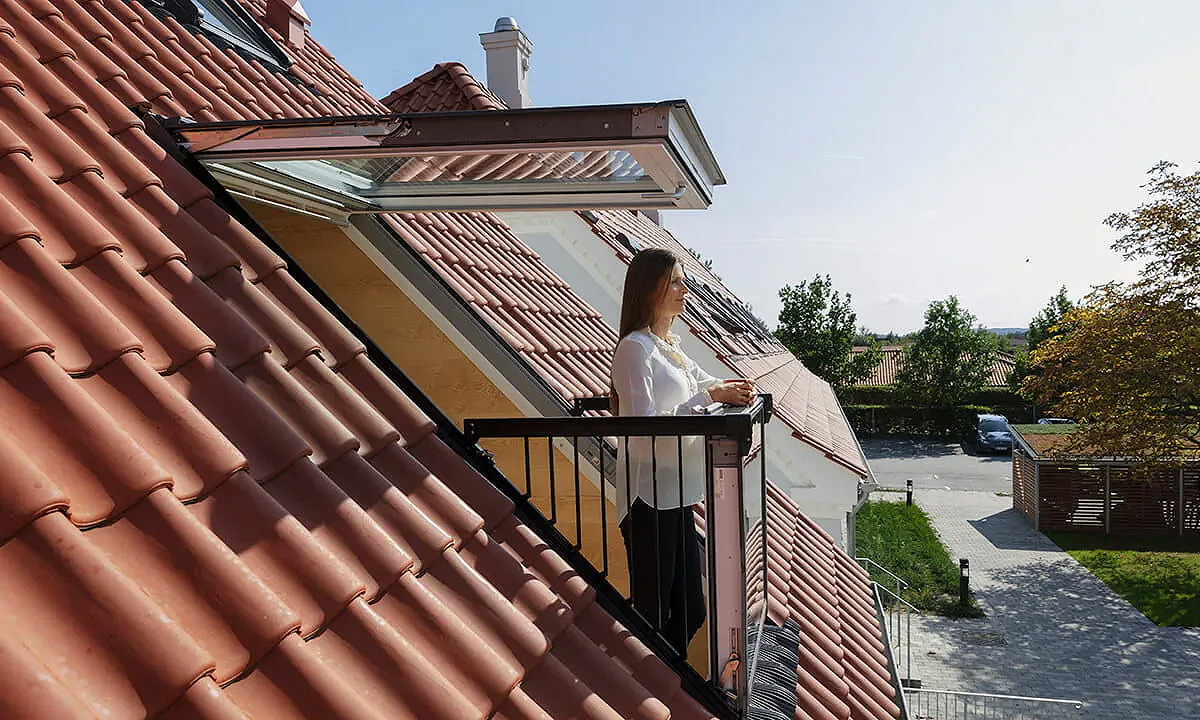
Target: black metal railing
{"x":611,"y":454}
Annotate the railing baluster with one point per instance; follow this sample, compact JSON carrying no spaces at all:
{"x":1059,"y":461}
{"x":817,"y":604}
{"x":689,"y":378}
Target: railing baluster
{"x":603,"y":512}
{"x":714,"y":663}
{"x":685,"y":516}
{"x":578,"y":509}
{"x":629,"y":519}
{"x":553,"y":492}
{"x":528,"y":482}
{"x":658,"y":609}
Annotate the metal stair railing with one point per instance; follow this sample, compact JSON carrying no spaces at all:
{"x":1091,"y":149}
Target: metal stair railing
{"x":924,"y":704}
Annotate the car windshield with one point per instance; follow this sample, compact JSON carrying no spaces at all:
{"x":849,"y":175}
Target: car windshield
{"x":993,"y":426}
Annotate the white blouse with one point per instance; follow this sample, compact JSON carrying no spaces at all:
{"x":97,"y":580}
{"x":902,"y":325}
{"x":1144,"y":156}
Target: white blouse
{"x":652,"y":376}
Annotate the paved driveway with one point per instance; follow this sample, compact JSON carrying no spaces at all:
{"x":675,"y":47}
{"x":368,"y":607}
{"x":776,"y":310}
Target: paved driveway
{"x":937,"y":464}
{"x":1052,"y":629}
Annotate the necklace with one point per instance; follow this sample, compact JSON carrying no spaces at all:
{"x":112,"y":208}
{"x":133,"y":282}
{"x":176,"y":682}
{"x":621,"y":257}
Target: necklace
{"x":669,"y":346}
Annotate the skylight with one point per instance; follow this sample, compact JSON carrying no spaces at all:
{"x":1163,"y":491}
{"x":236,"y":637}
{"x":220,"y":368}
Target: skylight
{"x":617,"y":156}
{"x":227,"y":23}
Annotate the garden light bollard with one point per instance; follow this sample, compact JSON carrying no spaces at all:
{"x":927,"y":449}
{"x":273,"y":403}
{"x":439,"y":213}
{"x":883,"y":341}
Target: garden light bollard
{"x":908,"y":492}
{"x":964,"y":580}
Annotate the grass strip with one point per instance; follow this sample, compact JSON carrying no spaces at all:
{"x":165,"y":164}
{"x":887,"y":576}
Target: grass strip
{"x":901,"y":538}
{"x":1158,"y":576}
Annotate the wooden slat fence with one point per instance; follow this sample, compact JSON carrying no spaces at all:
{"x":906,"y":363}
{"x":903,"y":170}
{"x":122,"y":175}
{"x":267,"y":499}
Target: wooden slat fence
{"x":1107,"y":498}
{"x":1024,"y":489}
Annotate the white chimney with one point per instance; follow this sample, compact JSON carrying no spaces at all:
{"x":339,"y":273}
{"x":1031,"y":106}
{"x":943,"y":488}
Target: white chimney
{"x":507,"y":51}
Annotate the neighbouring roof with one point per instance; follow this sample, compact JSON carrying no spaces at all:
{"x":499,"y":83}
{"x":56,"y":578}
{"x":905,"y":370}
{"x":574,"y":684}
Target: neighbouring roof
{"x":893,"y":357}
{"x":213,"y":504}
{"x":534,"y":310}
{"x":802,"y":400}
{"x":1044,"y":439}
{"x":448,"y":87}
{"x":843,"y":671}
{"x":1050,"y":442}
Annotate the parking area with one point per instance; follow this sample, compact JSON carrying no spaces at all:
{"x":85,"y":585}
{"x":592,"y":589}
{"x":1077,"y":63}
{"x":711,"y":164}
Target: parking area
{"x":937,"y":464}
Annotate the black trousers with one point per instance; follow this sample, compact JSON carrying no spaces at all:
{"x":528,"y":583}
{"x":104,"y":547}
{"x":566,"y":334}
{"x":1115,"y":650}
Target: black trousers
{"x":664,"y":570}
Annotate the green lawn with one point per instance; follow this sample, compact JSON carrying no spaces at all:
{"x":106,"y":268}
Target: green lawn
{"x":1158,"y":576}
{"x":900,"y":538}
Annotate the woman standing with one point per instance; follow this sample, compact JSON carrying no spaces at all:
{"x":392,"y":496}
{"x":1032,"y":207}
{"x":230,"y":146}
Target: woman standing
{"x":652,"y":376}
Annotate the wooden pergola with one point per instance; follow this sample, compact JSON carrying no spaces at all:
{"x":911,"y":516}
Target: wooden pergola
{"x":1056,"y":492}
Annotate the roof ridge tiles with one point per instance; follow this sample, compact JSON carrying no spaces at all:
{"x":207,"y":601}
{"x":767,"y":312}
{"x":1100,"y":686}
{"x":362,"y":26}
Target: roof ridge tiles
{"x":471,"y":94}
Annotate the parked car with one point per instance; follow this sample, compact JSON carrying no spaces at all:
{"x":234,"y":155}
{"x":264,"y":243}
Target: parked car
{"x":992,"y":433}
{"x":1055,"y":421}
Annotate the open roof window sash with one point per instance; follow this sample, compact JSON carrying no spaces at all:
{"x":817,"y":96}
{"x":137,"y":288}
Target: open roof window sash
{"x":621,"y":156}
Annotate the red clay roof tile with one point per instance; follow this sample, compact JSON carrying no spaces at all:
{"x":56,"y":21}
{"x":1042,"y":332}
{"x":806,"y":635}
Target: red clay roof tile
{"x":19,"y":336}
{"x":236,"y":340}
{"x":892,"y":358}
{"x":448,"y":86}
{"x":196,"y":581}
{"x":355,"y":554}
{"x":113,"y":650}
{"x":85,"y":334}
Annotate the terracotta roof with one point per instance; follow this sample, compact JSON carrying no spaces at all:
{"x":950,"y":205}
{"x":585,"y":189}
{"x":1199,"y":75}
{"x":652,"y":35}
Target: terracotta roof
{"x":802,"y":400}
{"x":892,"y":358}
{"x":212,"y":503}
{"x":448,"y":87}
{"x":843,"y":670}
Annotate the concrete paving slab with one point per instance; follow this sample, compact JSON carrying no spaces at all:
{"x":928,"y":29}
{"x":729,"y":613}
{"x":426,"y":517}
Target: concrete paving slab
{"x":1052,"y":629}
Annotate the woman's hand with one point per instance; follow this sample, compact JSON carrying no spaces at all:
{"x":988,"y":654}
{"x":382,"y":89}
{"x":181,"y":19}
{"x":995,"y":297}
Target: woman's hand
{"x":738,"y":391}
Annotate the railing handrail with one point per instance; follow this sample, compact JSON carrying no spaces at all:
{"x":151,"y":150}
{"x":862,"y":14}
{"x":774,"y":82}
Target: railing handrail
{"x":906,"y":603}
{"x":891,"y":574}
{"x":1077,"y":704}
{"x":729,"y":421}
{"x":730,"y":436}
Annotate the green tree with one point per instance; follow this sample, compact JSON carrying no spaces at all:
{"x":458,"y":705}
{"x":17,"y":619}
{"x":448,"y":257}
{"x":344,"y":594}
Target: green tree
{"x":1129,"y":369}
{"x":1046,"y":324}
{"x":1127,"y":362}
{"x":949,"y":358}
{"x":817,"y":324}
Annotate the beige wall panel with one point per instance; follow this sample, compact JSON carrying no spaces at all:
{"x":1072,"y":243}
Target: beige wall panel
{"x":440,"y":369}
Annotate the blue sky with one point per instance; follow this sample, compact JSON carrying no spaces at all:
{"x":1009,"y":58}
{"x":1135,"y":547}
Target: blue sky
{"x":909,"y":150}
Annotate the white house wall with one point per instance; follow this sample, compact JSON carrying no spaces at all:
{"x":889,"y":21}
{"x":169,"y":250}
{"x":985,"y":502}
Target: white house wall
{"x":823,"y":488}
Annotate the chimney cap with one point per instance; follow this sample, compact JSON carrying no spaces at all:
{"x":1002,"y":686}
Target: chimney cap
{"x":506,"y":23}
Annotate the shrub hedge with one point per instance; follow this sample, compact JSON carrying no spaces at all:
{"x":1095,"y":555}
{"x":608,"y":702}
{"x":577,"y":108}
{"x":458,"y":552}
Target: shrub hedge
{"x":885,"y":411}
{"x":891,"y":395}
{"x":956,"y":421}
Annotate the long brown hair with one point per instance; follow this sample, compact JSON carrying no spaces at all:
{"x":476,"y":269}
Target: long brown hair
{"x":645,"y":286}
